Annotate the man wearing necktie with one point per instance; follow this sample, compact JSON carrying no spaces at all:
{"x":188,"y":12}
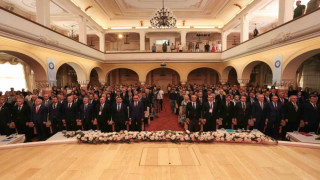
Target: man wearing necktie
{"x":210,"y":113}
{"x":193,"y":114}
{"x":21,"y":118}
{"x":292,"y":115}
{"x":227,"y":112}
{"x":242,"y":113}
{"x":311,"y":114}
{"x":55,"y":115}
{"x":39,"y":118}
{"x":46,"y":101}
{"x":120,"y":114}
{"x":259,"y":113}
{"x":86,"y":114}
{"x":136,"y":115}
{"x":275,"y":115}
{"x":103,"y":115}
{"x":70,"y":114}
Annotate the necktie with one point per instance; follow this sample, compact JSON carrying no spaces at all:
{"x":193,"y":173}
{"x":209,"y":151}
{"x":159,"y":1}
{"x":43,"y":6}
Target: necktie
{"x":101,"y":107}
{"x":243,"y":106}
{"x":261,"y":105}
{"x":211,"y":105}
{"x":85,"y":107}
{"x":69,"y":105}
{"x":228,"y":104}
{"x":37,"y":109}
{"x":275,"y":105}
{"x":295,"y":107}
{"x":314,"y":106}
{"x":281,"y":101}
{"x":194,"y":106}
{"x":118,"y":108}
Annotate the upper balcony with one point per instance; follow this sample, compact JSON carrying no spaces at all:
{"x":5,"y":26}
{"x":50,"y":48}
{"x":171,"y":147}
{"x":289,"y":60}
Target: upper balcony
{"x":19,"y":28}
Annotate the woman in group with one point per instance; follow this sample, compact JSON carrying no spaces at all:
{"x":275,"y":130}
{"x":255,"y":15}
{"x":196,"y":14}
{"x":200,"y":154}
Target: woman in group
{"x":182,"y":110}
{"x":213,"y":48}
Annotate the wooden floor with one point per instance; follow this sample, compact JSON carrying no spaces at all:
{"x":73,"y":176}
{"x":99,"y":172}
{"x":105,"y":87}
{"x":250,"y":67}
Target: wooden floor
{"x":160,"y":161}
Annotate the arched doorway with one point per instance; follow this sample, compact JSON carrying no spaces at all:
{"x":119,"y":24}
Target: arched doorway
{"x":66,"y":76}
{"x":203,"y":76}
{"x":97,"y":77}
{"x":122,"y":76}
{"x":308,"y":73}
{"x":230,"y":76}
{"x":258,"y":73}
{"x":21,"y":71}
{"x":162,"y":77}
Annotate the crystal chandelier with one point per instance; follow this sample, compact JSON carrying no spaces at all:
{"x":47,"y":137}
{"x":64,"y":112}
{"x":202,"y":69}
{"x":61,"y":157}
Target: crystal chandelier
{"x":163,"y":18}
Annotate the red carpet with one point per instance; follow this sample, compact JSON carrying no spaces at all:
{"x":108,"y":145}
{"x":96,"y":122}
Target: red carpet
{"x":166,"y":119}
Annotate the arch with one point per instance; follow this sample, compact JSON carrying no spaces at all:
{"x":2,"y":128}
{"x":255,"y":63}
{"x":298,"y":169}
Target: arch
{"x":101,"y":75}
{"x":225,"y":76}
{"x":120,"y":76}
{"x":80,"y":71}
{"x":203,"y":75}
{"x":246,"y":72}
{"x":291,"y":66}
{"x":66,"y":75}
{"x":179,"y":70}
{"x":204,"y":67}
{"x":124,"y":67}
{"x":38,"y":67}
{"x":162,"y":77}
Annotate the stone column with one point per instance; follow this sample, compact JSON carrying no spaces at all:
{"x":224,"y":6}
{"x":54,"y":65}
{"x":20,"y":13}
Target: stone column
{"x":43,"y":12}
{"x":183,"y":35}
{"x":244,"y":29}
{"x":83,"y":31}
{"x":224,"y":40}
{"x":286,"y":8}
{"x":142,"y":41}
{"x":102,"y":42}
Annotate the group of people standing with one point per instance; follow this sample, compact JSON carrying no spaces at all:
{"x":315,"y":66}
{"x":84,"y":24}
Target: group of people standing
{"x":192,"y":47}
{"x":271,"y":112}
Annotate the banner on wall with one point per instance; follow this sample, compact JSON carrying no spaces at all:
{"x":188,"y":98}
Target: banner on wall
{"x":277,"y":64}
{"x":51,"y":71}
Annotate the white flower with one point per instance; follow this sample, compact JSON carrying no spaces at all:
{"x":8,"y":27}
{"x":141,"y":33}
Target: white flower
{"x":90,"y":138}
{"x":187,"y":131}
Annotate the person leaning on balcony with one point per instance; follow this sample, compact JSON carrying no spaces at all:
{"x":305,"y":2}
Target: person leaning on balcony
{"x":154,"y":48}
{"x":312,"y":5}
{"x":164,"y":47}
{"x":207,"y":47}
{"x":172,"y":47}
{"x":191,"y":47}
{"x":180,"y":47}
{"x":299,"y":11}
{"x":197,"y":47}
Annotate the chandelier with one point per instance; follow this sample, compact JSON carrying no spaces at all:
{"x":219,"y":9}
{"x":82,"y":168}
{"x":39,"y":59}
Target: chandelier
{"x":163,"y":18}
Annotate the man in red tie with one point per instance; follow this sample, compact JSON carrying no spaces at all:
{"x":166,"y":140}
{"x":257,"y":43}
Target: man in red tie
{"x":39,"y":118}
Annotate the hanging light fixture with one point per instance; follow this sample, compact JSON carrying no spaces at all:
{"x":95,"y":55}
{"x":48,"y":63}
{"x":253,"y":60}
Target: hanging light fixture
{"x":163,"y":18}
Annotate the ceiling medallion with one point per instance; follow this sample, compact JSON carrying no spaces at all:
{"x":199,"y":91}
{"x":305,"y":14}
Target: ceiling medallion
{"x":163,"y":18}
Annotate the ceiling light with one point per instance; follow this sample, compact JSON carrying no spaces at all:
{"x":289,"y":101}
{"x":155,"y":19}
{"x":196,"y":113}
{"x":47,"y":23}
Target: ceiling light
{"x":204,"y":27}
{"x":120,"y":36}
{"x":163,"y":18}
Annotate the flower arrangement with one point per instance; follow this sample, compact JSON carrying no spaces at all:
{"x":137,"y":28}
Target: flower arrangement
{"x":171,"y":136}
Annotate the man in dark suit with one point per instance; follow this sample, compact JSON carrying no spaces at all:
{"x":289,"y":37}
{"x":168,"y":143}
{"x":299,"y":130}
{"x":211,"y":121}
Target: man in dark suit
{"x":136,"y":115}
{"x":193,"y":114}
{"x":20,"y":116}
{"x":5,"y":118}
{"x":227,"y":113}
{"x":55,"y":115}
{"x":46,"y":101}
{"x":210,"y":113}
{"x":39,"y":118}
{"x":146,"y":104}
{"x":275,"y":115}
{"x":200,"y":98}
{"x":129,"y":99}
{"x":251,"y":98}
{"x":70,"y":114}
{"x":103,"y":116}
{"x":120,"y":114}
{"x":282,"y":99}
{"x":311,"y":114}
{"x":243,"y":113}
{"x":292,"y":116}
{"x":86,"y":113}
{"x":220,"y":97}
{"x":259,"y":113}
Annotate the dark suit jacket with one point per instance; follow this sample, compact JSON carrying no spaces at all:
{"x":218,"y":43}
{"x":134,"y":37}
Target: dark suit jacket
{"x":275,"y":114}
{"x":219,"y":99}
{"x":291,"y":114}
{"x":258,"y":113}
{"x":5,"y":116}
{"x":136,"y":113}
{"x":227,"y":112}
{"x":55,"y":113}
{"x":120,"y":116}
{"x":243,"y":114}
{"x":70,"y":114}
{"x":22,"y":116}
{"x":206,"y":110}
{"x":41,"y":116}
{"x":86,"y":114}
{"x":310,"y":114}
{"x":193,"y":114}
{"x":105,"y":113}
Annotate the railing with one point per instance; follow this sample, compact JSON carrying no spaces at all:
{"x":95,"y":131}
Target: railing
{"x":18,"y":27}
{"x":306,"y":26}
